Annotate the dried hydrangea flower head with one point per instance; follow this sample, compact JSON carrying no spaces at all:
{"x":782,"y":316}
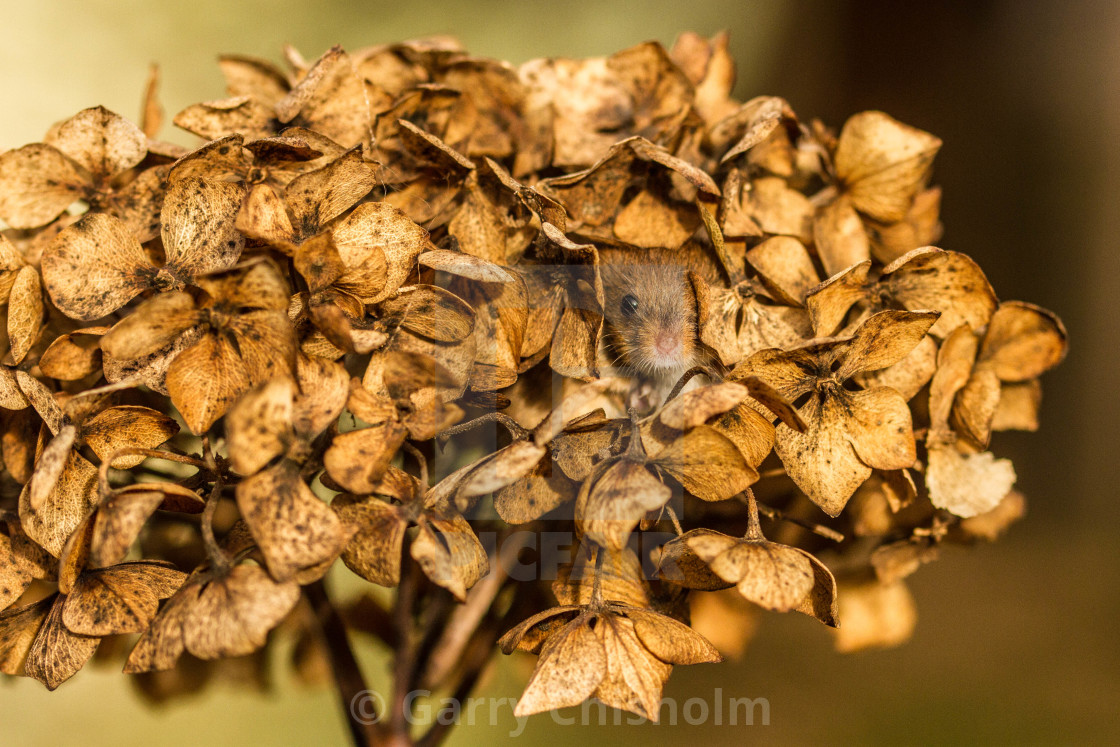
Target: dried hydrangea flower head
{"x":394,"y":312}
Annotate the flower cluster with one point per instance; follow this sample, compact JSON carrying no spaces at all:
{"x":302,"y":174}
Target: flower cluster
{"x":372,"y":315}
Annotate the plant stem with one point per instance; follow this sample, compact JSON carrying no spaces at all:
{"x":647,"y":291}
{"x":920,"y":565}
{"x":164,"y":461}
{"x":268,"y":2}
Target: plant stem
{"x":347,"y":675}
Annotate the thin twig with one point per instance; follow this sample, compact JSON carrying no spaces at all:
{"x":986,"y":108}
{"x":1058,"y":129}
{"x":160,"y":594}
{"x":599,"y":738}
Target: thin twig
{"x":514,"y":428}
{"x":687,"y":377}
{"x":420,"y":460}
{"x":218,"y":560}
{"x":103,"y":470}
{"x":754,"y":531}
{"x":673,"y":518}
{"x":775,"y":515}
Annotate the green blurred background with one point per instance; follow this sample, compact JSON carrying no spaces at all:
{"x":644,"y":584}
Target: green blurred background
{"x":1016,"y":641}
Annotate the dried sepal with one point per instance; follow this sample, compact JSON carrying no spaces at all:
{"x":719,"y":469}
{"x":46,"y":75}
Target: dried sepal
{"x":967,"y":484}
{"x":774,"y":576}
{"x":56,"y":654}
{"x":118,"y":599}
{"x":214,"y":615}
{"x":875,"y":615}
{"x":296,"y":531}
{"x":882,"y":164}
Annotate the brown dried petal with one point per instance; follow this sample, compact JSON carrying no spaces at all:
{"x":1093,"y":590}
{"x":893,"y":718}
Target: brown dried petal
{"x":152,"y":328}
{"x":707,"y":464}
{"x":120,"y":599}
{"x":74,"y":355}
{"x":680,"y":564}
{"x":751,"y":433}
{"x":991,"y":524}
{"x":771,"y":575}
{"x":95,"y":266}
{"x":294,"y":529}
{"x":932,"y":278}
{"x":374,"y":552}
{"x":609,"y":508}
{"x":18,"y":628}
{"x":15,"y":567}
{"x":829,"y":302}
{"x":975,"y":406}
{"x":41,"y":399}
{"x":883,"y":163}
{"x":161,"y":645}
{"x":37,"y":183}
{"x":118,"y":427}
{"x":465,"y":265}
{"x":214,"y":119}
{"x":205,"y":380}
{"x":779,"y":210}
{"x":331,"y":98}
{"x":117,"y":524}
{"x":884,"y":339}
{"x":1018,"y":407}
{"x":356,"y":460}
{"x":247,"y":76}
{"x":694,"y":408}
{"x":499,"y":469}
{"x":822,"y":600}
{"x":620,"y":579}
{"x":263,"y":216}
{"x":450,"y":555}
{"x":1023,"y":341}
{"x":11,"y":394}
{"x":785,"y":267}
{"x":259,"y":426}
{"x":234,"y":613}
{"x":649,"y":220}
{"x":323,"y":390}
{"x":840,"y":237}
{"x":49,"y":465}
{"x":430,"y":311}
{"x":379,"y":226}
{"x":56,"y":654}
{"x":104,"y":143}
{"x":875,"y":615}
{"x":536,"y":493}
{"x":198,"y":225}
{"x":317,"y":197}
{"x":634,"y":675}
{"x":25,"y":312}
{"x":848,"y":433}
{"x":65,"y":506}
{"x":909,"y":375}
{"x":572,"y":664}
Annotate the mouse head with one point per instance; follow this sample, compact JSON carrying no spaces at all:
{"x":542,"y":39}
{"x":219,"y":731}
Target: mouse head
{"x":649,"y":318}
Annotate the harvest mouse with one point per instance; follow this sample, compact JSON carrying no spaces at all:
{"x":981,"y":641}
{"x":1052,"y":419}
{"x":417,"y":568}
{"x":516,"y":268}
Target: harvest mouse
{"x":649,"y":315}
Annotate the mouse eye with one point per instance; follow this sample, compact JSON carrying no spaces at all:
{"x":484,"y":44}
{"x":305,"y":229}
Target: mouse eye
{"x":629,"y":305}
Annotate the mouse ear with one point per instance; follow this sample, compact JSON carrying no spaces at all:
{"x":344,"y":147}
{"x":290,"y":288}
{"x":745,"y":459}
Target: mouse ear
{"x":700,"y":292}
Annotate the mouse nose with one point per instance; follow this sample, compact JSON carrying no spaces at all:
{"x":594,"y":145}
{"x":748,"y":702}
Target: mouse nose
{"x":667,"y":344}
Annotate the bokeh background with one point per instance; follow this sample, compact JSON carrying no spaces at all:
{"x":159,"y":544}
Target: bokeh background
{"x":1016,"y":641}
